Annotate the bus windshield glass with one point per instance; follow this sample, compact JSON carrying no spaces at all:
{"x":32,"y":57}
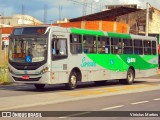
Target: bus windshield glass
{"x":28,"y":49}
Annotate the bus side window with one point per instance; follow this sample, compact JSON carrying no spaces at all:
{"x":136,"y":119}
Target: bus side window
{"x":147,"y":47}
{"x":59,"y":48}
{"x":75,"y":44}
{"x":128,"y":47}
{"x":89,"y":42}
{"x":138,"y":47}
{"x":116,"y":46}
{"x":154,"y":48}
{"x":103,"y":45}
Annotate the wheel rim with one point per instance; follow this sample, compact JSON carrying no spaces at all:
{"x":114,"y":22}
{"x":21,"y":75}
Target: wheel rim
{"x":73,"y":80}
{"x":130,"y":76}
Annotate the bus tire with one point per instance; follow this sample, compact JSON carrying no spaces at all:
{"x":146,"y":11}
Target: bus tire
{"x":130,"y":78}
{"x":72,"y":82}
{"x":39,"y":86}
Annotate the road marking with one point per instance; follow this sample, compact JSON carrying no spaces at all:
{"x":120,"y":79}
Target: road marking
{"x":107,"y":90}
{"x":112,"y":107}
{"x":139,"y":102}
{"x":156,"y":99}
{"x":74,"y":115}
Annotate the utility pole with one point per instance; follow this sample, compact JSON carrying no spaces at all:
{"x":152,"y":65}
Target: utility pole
{"x":23,"y":12}
{"x":147,"y":18}
{"x":60,"y":13}
{"x":84,"y":7}
{"x":45,"y":14}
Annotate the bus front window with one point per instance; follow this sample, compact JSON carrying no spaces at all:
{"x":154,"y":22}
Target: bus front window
{"x":28,"y":50}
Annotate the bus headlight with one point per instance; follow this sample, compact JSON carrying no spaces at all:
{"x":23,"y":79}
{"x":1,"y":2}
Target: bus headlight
{"x":44,"y":70}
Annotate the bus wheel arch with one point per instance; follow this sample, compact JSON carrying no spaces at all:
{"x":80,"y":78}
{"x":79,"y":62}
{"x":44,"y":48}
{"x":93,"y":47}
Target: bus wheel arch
{"x":129,"y":77}
{"x":74,"y":77}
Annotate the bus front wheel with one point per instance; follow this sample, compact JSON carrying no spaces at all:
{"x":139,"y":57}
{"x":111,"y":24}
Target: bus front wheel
{"x":72,"y":83}
{"x":130,"y":78}
{"x":39,"y":86}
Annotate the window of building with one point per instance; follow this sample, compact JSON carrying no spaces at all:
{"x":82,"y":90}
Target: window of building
{"x":154,"y":48}
{"x":116,"y":46}
{"x":103,"y":45}
{"x":89,"y":44}
{"x":128,"y":48}
{"x":147,"y":47}
{"x":75,"y":44}
{"x":138,"y":47}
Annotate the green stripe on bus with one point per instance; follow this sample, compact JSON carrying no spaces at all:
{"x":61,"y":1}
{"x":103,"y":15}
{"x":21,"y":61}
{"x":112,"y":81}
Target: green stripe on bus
{"x":87,"y":32}
{"x":121,"y":62}
{"x":118,"y":35}
{"x":139,"y":63}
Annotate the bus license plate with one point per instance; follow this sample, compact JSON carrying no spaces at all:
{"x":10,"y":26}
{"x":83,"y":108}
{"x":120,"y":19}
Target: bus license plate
{"x":25,"y":77}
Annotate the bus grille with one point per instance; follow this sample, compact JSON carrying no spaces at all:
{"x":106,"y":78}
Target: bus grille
{"x":27,"y":66}
{"x":30,"y":79}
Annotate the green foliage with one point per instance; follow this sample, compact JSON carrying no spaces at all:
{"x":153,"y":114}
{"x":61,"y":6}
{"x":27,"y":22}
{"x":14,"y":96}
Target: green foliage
{"x":4,"y":74}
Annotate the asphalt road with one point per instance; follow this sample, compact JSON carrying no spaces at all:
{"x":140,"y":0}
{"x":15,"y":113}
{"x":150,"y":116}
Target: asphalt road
{"x":22,"y":89}
{"x":143,"y":95}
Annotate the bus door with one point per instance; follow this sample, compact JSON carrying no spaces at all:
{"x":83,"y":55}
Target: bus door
{"x":59,"y":54}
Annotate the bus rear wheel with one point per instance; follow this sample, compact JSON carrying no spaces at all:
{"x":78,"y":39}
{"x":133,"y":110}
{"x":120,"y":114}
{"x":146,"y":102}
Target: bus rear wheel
{"x":72,"y":83}
{"x":39,"y":86}
{"x":130,"y":78}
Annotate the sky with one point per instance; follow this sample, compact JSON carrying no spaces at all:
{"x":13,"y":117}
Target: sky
{"x":59,"y":9}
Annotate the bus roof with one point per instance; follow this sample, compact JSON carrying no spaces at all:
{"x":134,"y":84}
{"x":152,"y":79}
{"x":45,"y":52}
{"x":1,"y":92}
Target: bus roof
{"x":92,"y":32}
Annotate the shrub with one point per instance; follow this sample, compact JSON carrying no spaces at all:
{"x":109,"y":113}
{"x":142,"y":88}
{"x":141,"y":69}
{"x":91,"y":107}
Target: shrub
{"x":4,"y":74}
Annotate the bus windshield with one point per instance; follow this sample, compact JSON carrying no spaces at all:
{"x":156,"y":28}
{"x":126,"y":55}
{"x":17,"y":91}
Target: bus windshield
{"x":28,"y":49}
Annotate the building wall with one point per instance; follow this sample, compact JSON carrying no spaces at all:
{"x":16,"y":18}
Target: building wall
{"x":137,"y":21}
{"x":108,"y":26}
{"x":154,"y":25}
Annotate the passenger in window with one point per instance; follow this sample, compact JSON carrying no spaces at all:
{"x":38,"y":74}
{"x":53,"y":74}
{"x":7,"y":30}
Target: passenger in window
{"x":32,"y":51}
{"x":85,"y":48}
{"x":119,"y":48}
{"x":107,"y":49}
{"x":37,"y":50}
{"x":94,"y":49}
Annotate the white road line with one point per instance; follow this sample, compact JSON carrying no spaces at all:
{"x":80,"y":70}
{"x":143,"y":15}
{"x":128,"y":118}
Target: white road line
{"x":139,"y":102}
{"x":114,"y":107}
{"x":74,"y":115}
{"x":157,"y":99}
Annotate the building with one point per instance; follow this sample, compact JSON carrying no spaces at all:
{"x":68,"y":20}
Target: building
{"x":18,"y":20}
{"x":137,"y":21}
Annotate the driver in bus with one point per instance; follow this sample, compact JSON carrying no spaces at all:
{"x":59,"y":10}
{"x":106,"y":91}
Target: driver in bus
{"x":36,"y":50}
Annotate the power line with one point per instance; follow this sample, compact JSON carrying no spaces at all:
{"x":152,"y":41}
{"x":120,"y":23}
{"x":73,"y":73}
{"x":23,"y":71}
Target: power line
{"x":85,"y":5}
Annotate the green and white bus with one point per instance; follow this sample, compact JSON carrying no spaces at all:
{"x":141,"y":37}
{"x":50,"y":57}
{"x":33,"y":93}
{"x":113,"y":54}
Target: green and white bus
{"x":41,"y":55}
